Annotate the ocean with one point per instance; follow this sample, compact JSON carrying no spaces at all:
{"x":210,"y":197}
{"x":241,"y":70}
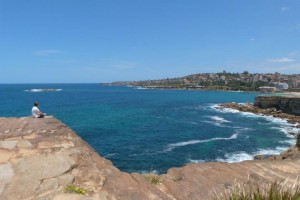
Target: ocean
{"x":145,"y":130}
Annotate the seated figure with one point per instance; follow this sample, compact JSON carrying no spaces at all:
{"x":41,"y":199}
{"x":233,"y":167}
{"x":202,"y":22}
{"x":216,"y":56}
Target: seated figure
{"x":36,"y":113}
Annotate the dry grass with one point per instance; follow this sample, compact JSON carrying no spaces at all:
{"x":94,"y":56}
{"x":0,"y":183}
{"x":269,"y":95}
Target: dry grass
{"x":152,"y":178}
{"x":278,"y":190}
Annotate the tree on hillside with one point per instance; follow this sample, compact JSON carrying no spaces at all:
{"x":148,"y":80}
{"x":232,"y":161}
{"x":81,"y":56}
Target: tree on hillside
{"x":245,"y":72}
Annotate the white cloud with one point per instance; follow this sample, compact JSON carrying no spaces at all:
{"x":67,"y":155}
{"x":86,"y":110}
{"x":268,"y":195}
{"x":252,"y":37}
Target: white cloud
{"x":46,"y":52}
{"x":283,"y":9}
{"x":252,"y":39}
{"x":280,"y":60}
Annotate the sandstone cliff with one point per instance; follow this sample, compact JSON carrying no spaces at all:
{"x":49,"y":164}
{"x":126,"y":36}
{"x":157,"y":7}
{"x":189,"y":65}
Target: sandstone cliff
{"x":39,"y":158}
{"x":288,"y":103}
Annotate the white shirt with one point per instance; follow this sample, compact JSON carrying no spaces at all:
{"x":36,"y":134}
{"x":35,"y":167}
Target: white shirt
{"x":35,"y":112}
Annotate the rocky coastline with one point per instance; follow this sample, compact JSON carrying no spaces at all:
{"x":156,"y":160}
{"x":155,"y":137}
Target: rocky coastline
{"x":41,"y":158}
{"x":272,"y":111}
{"x":292,"y":152}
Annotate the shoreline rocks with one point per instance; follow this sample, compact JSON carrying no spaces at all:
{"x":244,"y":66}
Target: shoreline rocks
{"x":248,"y":107}
{"x":286,"y":102}
{"x":292,"y":152}
{"x":39,"y":158}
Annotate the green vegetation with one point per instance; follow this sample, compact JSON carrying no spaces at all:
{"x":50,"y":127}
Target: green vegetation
{"x":152,"y":178}
{"x":73,"y":189}
{"x":259,"y":191}
{"x":298,"y":142}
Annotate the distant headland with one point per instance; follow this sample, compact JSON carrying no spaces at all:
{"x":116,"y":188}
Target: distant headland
{"x":266,"y":82}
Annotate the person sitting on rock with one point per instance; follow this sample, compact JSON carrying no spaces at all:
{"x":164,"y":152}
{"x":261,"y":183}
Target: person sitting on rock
{"x":36,"y":113}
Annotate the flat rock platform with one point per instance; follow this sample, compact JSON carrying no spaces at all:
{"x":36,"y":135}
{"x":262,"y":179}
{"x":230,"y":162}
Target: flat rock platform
{"x":39,"y":158}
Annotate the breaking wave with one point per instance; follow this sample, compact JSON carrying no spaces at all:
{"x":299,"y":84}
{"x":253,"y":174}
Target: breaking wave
{"x":44,"y":90}
{"x":242,"y":156}
{"x":170,"y":147}
{"x":219,"y":119}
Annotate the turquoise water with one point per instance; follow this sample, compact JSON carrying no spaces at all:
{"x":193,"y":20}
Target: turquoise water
{"x":142,"y":130}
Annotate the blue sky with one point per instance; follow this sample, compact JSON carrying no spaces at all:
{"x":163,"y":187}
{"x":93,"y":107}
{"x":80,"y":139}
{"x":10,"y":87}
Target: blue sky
{"x":69,"y":41}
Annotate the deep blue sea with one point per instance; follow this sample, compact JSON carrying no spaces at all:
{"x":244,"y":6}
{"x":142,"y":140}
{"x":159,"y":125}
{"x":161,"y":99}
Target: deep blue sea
{"x":142,"y":130}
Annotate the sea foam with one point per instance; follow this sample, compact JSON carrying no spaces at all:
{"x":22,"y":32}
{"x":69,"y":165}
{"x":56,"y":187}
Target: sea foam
{"x":235,"y":157}
{"x":242,"y":156}
{"x":285,"y":127}
{"x":44,"y":90}
{"x":219,"y":119}
{"x":170,"y":147}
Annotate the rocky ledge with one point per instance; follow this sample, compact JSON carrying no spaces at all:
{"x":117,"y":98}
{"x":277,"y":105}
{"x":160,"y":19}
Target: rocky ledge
{"x":271,"y":111}
{"x":39,"y":158}
{"x":286,"y":102}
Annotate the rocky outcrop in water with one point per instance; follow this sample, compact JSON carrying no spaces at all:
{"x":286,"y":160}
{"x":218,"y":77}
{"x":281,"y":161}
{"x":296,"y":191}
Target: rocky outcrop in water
{"x":265,"y":111}
{"x":39,"y":158}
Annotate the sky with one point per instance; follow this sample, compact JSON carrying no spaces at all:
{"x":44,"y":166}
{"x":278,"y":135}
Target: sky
{"x":91,"y":41}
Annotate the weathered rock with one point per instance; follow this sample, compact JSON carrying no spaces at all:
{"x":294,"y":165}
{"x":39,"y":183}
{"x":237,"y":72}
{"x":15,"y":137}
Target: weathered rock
{"x":291,"y":118}
{"x":39,"y":158}
{"x":46,"y":187}
{"x":6,"y":175}
{"x":65,"y":179}
{"x":287,"y":102}
{"x":8,"y":144}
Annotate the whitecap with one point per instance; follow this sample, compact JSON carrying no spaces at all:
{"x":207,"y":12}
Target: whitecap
{"x":288,"y":131}
{"x":285,"y":127}
{"x":292,"y":130}
{"x":275,"y":151}
{"x":219,"y":119}
{"x":196,"y":161}
{"x":141,"y":88}
{"x":229,"y":110}
{"x":170,"y":147}
{"x":242,"y":156}
{"x":244,"y":128}
{"x":235,"y":157}
{"x":44,"y":90}
{"x":290,"y":142}
{"x":109,"y":155}
{"x":252,"y":115}
{"x":215,"y":123}
{"x":218,"y":108}
{"x":148,"y":172}
{"x":276,"y":120}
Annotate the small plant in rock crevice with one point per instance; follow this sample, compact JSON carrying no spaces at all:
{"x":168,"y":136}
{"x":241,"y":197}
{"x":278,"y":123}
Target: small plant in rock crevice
{"x":73,"y":189}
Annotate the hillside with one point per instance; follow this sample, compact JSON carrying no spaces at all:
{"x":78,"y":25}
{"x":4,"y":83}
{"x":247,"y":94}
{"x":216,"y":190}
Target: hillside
{"x":224,"y":80}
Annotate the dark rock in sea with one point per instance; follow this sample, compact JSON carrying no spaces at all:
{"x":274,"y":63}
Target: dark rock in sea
{"x":262,"y":157}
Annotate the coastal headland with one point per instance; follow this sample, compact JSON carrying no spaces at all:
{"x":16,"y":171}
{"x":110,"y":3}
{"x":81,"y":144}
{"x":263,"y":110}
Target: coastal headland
{"x":41,"y":158}
{"x":222,"y":81}
{"x":280,"y":105}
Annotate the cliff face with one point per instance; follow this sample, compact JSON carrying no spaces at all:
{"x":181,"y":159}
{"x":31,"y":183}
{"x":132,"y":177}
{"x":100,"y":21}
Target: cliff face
{"x":287,"y":103}
{"x":39,"y":158}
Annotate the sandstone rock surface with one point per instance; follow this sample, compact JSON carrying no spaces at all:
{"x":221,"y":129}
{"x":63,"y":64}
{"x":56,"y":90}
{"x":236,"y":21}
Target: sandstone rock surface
{"x":39,"y":158}
{"x":286,"y":102}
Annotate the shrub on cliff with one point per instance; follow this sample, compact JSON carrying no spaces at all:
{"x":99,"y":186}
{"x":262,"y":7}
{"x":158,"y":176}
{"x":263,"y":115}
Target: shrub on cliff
{"x":259,"y":191}
{"x":298,"y":141}
{"x":152,"y":178}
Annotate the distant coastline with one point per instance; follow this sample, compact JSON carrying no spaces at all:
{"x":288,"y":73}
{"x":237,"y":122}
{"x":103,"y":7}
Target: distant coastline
{"x":222,"y":81}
